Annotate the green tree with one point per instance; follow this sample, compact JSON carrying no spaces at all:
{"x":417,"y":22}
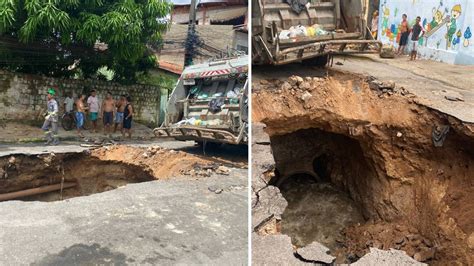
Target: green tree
{"x":71,"y":37}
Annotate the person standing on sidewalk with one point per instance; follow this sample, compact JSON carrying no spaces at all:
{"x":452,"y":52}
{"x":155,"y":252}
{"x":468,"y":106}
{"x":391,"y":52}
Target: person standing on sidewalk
{"x":68,"y":103}
{"x":108,"y":110}
{"x":50,"y":125}
{"x":80,"y":114}
{"x":375,"y":24}
{"x":93,"y":104}
{"x":405,"y":32}
{"x":127,"y":119}
{"x":119,"y":114}
{"x":417,"y":32}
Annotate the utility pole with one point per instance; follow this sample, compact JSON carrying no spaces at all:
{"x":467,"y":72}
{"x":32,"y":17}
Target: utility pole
{"x":191,"y":38}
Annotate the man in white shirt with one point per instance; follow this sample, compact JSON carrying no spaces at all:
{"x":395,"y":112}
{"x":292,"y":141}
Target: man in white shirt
{"x":68,"y":103}
{"x":93,"y":103}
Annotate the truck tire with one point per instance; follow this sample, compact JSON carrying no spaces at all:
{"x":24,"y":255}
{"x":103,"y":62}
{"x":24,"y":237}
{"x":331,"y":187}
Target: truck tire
{"x":319,"y":61}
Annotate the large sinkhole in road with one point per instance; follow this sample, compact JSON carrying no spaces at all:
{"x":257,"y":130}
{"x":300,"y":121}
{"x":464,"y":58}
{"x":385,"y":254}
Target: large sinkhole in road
{"x":322,"y":177}
{"x":63,"y":176}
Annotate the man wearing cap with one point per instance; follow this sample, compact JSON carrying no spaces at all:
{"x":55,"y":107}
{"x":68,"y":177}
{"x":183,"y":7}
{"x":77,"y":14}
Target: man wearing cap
{"x":50,"y":125}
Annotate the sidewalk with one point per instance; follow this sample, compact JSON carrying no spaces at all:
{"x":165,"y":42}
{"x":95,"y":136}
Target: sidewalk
{"x":15,"y":132}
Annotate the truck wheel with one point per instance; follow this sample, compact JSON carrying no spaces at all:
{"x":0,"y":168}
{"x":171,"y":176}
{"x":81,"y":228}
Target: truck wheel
{"x":319,"y":61}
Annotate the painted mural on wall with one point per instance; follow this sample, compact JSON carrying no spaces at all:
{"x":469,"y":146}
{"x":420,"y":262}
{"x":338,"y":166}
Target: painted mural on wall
{"x":447,"y":25}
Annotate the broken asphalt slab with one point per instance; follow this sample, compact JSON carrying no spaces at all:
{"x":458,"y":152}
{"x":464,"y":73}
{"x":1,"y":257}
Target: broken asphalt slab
{"x":315,"y":252}
{"x":273,"y":250}
{"x":377,"y":257}
{"x":176,"y":221}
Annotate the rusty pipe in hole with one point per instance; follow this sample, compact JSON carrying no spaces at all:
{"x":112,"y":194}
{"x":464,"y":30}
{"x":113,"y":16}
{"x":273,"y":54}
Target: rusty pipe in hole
{"x":35,"y":191}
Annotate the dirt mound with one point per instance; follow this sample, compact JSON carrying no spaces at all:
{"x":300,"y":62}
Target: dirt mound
{"x":372,"y":140}
{"x":160,"y":162}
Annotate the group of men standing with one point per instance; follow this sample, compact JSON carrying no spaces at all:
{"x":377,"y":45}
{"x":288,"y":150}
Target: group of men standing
{"x":114,"y":114}
{"x":416,"y":32}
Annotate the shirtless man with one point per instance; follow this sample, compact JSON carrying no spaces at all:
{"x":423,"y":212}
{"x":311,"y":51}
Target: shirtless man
{"x":80,"y":114}
{"x":108,"y":109}
{"x":119,"y":115}
{"x":405,"y":32}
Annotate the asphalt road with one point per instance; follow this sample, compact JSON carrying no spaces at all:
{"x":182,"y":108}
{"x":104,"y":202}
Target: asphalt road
{"x":179,"y":222}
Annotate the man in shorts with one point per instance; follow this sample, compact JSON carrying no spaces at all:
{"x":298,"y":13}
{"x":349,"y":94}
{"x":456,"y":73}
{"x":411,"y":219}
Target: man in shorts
{"x":119,"y":114}
{"x":50,"y":125}
{"x":93,"y":104}
{"x":127,"y":119}
{"x":108,"y":108}
{"x":80,"y":114}
{"x":405,"y":32}
{"x":417,"y":32}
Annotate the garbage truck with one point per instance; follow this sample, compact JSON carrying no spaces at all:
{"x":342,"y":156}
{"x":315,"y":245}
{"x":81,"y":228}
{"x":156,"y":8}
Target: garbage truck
{"x":210,"y":103}
{"x":309,"y":31}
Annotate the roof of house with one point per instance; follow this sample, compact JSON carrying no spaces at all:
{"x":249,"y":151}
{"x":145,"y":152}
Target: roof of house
{"x":214,"y":39}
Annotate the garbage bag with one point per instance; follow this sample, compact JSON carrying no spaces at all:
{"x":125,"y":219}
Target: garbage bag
{"x":215,"y":105}
{"x":231,"y":94}
{"x":284,"y":35}
{"x":189,"y":121}
{"x":297,"y":31}
{"x":297,"y":5}
{"x":202,"y":96}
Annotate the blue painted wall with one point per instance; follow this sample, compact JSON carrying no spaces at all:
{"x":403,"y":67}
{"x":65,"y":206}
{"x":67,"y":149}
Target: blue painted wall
{"x":448,"y":23}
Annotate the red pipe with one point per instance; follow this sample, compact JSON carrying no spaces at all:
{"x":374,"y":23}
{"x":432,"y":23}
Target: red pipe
{"x":35,"y":191}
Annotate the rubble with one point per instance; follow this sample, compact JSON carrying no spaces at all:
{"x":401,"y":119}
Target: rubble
{"x":270,"y":205}
{"x":377,"y":257}
{"x":315,"y":252}
{"x":273,"y":250}
{"x":306,"y":96}
{"x":215,"y":189}
{"x":206,"y":170}
{"x":388,"y":51}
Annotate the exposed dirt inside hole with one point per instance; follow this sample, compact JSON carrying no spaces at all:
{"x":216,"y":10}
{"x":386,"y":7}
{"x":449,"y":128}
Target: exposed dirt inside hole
{"x":98,"y":170}
{"x":376,"y":146}
{"x":316,"y":212}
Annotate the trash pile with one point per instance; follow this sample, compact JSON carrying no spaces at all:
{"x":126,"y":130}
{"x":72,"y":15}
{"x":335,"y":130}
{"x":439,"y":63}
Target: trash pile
{"x":233,"y":95}
{"x":302,"y":31}
{"x":217,"y":102}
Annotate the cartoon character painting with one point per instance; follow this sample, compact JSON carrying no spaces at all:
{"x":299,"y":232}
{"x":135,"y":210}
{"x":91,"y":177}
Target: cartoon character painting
{"x":437,"y":18}
{"x":457,"y":40}
{"x":467,"y":36}
{"x":452,"y":27}
{"x":386,"y":17}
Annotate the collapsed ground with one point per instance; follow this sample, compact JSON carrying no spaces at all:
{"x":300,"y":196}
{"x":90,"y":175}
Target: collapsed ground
{"x":51,"y":177}
{"x":361,"y":165}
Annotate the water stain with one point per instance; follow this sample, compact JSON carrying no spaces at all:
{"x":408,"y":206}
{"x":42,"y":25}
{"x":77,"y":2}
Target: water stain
{"x":80,"y":254}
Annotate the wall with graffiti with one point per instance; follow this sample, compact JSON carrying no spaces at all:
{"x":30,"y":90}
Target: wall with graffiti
{"x":448,"y":26}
